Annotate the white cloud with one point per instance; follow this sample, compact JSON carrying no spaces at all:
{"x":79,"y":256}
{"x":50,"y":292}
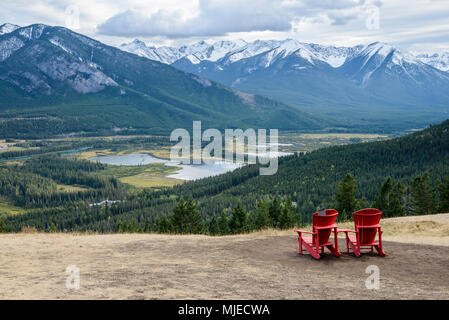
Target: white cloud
{"x":221,"y":17}
{"x":415,"y":24}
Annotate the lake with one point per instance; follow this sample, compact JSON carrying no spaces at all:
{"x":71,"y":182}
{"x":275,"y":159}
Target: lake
{"x":186,"y":171}
{"x":194,"y":172}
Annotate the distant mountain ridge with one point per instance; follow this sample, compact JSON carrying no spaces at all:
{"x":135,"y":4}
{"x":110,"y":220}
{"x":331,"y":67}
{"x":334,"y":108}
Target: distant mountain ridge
{"x":239,"y":49}
{"x":7,"y":28}
{"x":375,"y":83}
{"x":86,"y":85}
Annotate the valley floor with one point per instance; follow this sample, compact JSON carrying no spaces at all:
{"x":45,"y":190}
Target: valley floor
{"x":263,"y":265}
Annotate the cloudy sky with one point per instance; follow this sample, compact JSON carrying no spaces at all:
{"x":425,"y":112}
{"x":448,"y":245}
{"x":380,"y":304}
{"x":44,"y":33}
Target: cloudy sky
{"x":418,"y":25}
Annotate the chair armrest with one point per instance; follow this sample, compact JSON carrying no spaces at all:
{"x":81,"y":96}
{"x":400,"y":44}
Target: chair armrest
{"x":369,"y":227}
{"x":303,"y":231}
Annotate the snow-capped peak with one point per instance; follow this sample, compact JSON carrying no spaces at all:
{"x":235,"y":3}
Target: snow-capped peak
{"x":273,"y":50}
{"x":379,"y":51}
{"x":195,"y":52}
{"x":437,"y":60}
{"x":8,"y":28}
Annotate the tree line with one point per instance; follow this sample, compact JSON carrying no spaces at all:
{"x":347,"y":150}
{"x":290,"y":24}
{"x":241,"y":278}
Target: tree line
{"x":402,"y":176}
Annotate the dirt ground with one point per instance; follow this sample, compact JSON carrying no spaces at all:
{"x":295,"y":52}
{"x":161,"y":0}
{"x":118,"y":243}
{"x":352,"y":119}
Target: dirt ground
{"x":256,"y":266}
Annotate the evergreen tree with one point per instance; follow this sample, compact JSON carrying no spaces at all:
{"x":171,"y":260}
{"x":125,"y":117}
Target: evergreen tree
{"x":397,"y":207}
{"x":345,"y":198}
{"x":391,"y":200}
{"x":214,"y":228}
{"x":147,"y":228}
{"x":407,"y":200}
{"x":261,"y":218}
{"x":422,"y":195}
{"x":274,"y":212}
{"x":52,"y":228}
{"x":185,"y":218}
{"x":3,"y":227}
{"x":286,"y":218}
{"x":377,"y":203}
{"x":223,"y":223}
{"x":163,"y":225}
{"x":443,"y":190}
{"x":385,"y":194}
{"x":238,"y":222}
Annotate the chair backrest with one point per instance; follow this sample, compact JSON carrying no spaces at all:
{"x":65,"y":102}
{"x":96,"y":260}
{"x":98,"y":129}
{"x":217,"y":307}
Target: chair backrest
{"x":368,"y":219}
{"x":323,"y":224}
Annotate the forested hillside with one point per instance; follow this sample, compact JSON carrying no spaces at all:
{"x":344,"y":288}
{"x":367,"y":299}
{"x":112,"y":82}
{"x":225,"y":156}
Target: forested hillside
{"x":346,"y":177}
{"x":55,"y":81}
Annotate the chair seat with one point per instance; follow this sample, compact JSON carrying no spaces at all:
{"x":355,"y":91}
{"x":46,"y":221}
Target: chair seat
{"x":353,"y":238}
{"x":309,"y":241}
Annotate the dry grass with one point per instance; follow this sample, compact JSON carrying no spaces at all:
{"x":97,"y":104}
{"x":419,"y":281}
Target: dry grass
{"x":148,"y":266}
{"x":28,"y":230}
{"x":261,"y":265}
{"x":427,"y":229}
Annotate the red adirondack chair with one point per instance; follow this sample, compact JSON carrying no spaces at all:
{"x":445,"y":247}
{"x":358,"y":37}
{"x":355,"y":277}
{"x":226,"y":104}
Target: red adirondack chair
{"x":366,"y":227}
{"x":323,"y":226}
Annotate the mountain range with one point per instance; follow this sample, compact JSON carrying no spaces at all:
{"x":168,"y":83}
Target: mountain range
{"x":365,"y":84}
{"x":240,"y":49}
{"x":61,"y":82}
{"x":53,"y":73}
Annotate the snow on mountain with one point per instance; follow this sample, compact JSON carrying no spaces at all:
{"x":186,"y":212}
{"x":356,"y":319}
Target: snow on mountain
{"x":233,"y":51}
{"x":139,"y":48}
{"x":334,"y":56}
{"x":7,"y":28}
{"x":45,"y":63}
{"x":8,"y":46}
{"x":381,"y":57}
{"x":436,"y":60}
{"x":359,"y":63}
{"x":196,"y":52}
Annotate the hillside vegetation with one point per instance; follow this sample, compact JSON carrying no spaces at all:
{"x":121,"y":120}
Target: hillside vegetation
{"x":56,"y":81}
{"x":346,"y":177}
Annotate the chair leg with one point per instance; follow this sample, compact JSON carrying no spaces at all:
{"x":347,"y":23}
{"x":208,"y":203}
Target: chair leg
{"x":381,"y":252}
{"x":311,"y":250}
{"x":355,"y":248}
{"x":300,"y":245}
{"x":336,"y":239}
{"x":334,"y":251}
{"x":379,"y":247}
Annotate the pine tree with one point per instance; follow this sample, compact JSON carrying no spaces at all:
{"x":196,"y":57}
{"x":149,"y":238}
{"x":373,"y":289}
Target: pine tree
{"x":274,"y":212}
{"x":185,"y":218}
{"x":238,"y":222}
{"x":214,"y":228}
{"x":397,"y":207}
{"x":407,"y":200}
{"x":261,"y":218}
{"x":443,"y":191}
{"x":163,"y":225}
{"x":422,"y":195}
{"x":377,"y":203}
{"x":385,"y":194}
{"x":52,"y":228}
{"x":286,"y":218}
{"x":223,"y":223}
{"x":3,"y":227}
{"x":147,"y":228}
{"x":345,"y":198}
